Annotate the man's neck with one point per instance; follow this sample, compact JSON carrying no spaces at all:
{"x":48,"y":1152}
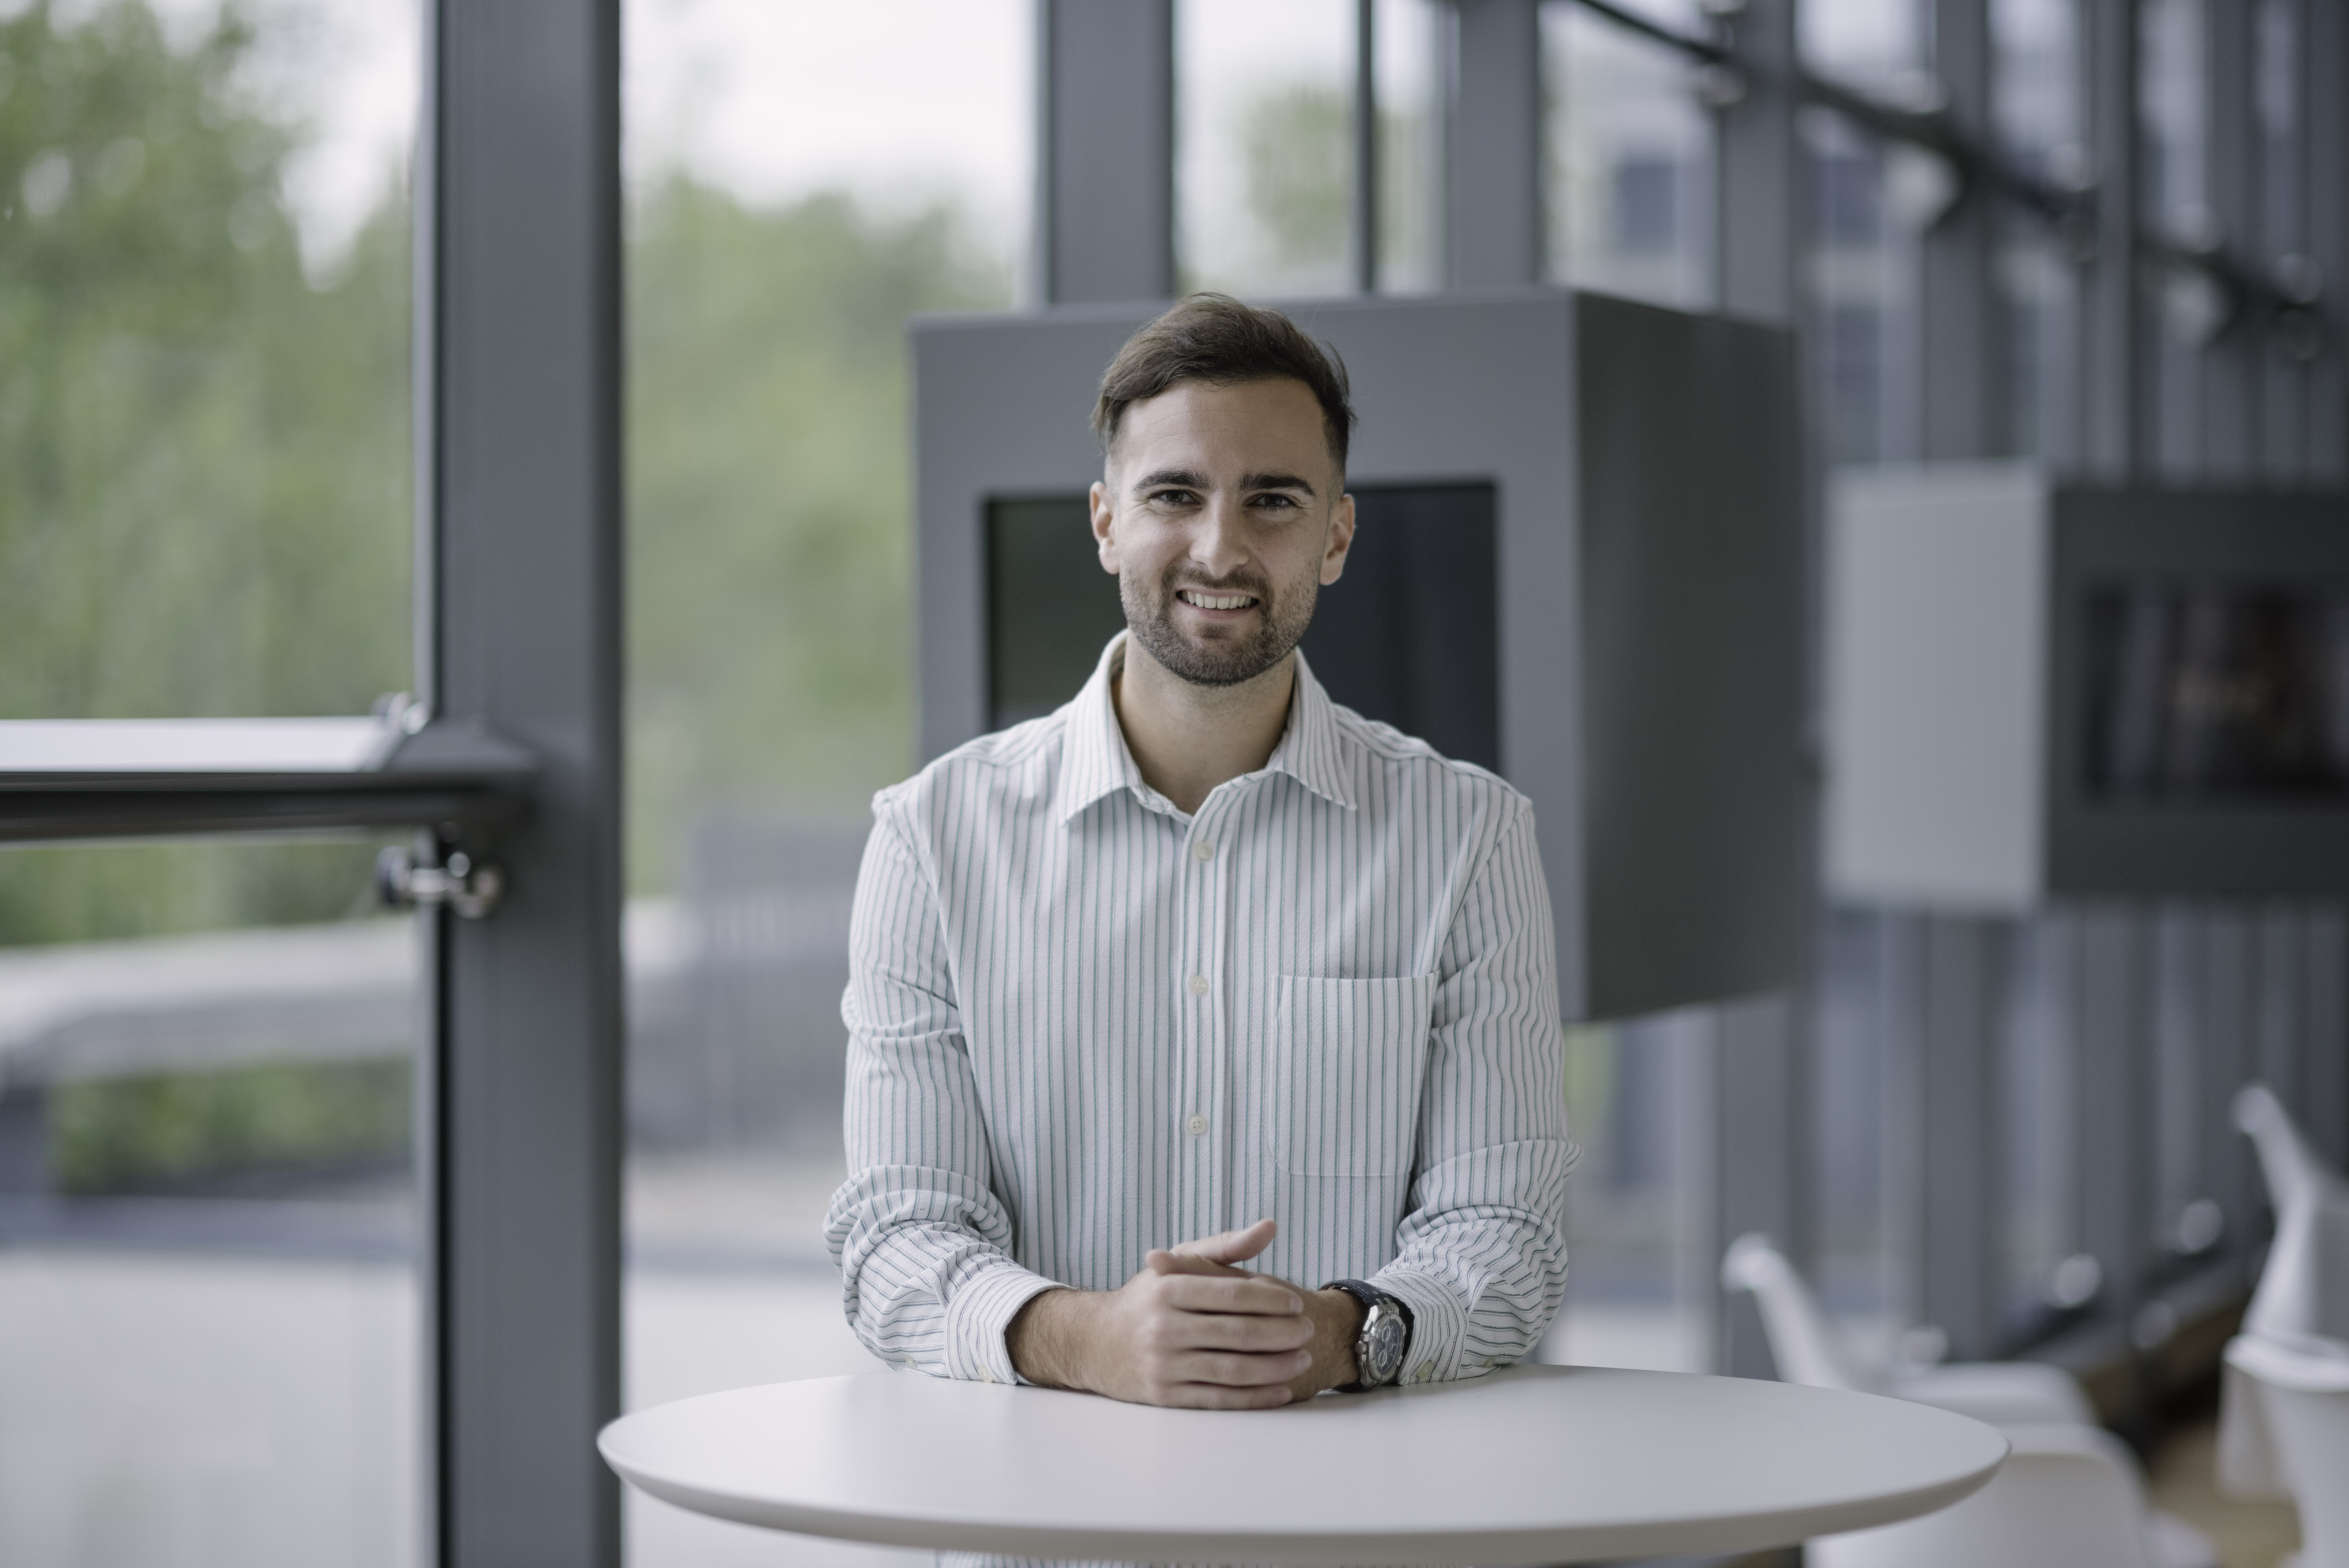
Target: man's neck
{"x":1188,"y":738}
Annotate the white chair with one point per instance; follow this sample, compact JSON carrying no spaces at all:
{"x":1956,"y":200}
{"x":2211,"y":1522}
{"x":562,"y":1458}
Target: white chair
{"x":2070,"y":1495}
{"x":2304,"y":1289}
{"x":2301,"y":1388}
{"x":2002,"y":1393}
{"x":2067,"y":1497}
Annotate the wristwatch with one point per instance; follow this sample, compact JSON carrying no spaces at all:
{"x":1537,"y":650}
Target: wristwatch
{"x":1385,"y":1340}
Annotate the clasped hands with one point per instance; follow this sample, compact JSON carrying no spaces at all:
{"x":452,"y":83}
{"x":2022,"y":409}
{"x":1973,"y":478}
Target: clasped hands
{"x":1192,"y":1329}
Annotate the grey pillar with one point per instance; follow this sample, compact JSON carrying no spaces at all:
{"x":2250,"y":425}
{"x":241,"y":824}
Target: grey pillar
{"x":1964,"y":995}
{"x":1761,"y":1098}
{"x":2113,"y":350}
{"x":1963,"y":339}
{"x":2231,"y":363}
{"x":2114,"y":1103}
{"x":1760,"y":182}
{"x":1104,"y":150}
{"x":1492,"y":188}
{"x":525,"y":1157}
{"x":2325,"y":137}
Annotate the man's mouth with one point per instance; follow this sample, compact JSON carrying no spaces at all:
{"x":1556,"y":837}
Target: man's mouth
{"x":1199,"y":599}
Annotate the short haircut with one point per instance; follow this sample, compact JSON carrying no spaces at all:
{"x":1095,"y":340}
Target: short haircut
{"x":1215,"y":338}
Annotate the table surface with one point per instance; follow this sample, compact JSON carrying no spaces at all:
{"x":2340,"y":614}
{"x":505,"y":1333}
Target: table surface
{"x":1530,"y":1464}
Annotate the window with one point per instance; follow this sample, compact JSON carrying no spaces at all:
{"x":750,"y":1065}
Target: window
{"x":208,"y":1303}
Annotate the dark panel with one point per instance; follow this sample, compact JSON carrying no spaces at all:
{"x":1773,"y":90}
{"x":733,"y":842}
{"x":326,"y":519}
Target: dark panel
{"x":1409,"y":636}
{"x":1698,"y":800}
{"x":1050,"y":606}
{"x":2197,"y":737}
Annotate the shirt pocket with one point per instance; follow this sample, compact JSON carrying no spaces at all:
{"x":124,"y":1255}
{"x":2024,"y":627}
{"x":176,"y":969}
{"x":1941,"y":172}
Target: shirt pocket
{"x":1349,"y":1058}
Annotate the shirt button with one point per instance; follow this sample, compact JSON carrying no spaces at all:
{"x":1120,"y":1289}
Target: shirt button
{"x":1427,"y":1370}
{"x":1203,"y":849}
{"x":1198,"y":984}
{"x":1197,"y":1124}
{"x":987,"y":1374}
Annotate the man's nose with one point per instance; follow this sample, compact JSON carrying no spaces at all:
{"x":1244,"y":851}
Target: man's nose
{"x":1219,"y":544}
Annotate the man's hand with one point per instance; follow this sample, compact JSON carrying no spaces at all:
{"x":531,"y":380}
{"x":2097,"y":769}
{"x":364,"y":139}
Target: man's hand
{"x":1191,"y":1329}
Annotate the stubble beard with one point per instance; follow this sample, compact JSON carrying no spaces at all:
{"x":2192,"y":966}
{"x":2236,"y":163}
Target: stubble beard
{"x":1218,"y":661}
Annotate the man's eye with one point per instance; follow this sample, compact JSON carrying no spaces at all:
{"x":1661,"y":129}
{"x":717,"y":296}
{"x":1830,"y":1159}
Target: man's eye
{"x":1175,"y":497}
{"x":1275,"y":502}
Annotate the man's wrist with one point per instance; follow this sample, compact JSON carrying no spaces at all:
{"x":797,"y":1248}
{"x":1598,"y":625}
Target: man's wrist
{"x":1337,"y":1328}
{"x":1045,"y":1339}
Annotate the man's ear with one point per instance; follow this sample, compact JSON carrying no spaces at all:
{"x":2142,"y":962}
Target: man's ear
{"x":1341,"y":540}
{"x":1104,"y":520}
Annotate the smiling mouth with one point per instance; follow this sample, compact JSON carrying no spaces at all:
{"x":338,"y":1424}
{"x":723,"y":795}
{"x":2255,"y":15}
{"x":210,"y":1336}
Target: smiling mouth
{"x":1199,"y":599}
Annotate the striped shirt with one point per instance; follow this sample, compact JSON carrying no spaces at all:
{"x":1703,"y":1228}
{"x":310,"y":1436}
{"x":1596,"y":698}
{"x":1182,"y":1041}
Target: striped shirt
{"x":1082,"y":1025}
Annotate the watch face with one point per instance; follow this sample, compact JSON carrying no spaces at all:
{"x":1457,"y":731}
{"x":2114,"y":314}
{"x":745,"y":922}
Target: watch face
{"x":1382,"y":1348}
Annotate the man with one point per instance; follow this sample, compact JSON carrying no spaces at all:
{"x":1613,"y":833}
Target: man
{"x":1203,"y":970}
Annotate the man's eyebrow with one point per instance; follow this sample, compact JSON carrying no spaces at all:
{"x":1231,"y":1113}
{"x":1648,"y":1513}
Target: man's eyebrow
{"x":1187,"y":478}
{"x":1275,"y":481}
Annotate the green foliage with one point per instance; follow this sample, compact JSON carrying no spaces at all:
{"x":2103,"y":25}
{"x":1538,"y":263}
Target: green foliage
{"x":204,"y":471}
{"x":80,"y":893}
{"x":112,"y":1135}
{"x":770,"y":566}
{"x":1298,"y":146}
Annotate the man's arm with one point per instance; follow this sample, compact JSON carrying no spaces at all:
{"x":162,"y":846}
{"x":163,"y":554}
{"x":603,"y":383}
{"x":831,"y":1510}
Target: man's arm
{"x":922,"y":1240}
{"x":1481,"y":1258}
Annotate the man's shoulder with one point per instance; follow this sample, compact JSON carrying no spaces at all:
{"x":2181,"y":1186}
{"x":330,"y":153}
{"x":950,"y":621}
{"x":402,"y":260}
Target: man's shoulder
{"x":1014,"y":764}
{"x":1379,"y":749}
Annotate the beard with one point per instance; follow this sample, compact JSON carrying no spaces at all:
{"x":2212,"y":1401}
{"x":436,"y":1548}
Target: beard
{"x":1221,"y":656}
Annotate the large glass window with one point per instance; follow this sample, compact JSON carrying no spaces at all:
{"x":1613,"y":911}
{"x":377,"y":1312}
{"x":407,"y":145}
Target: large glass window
{"x":1639,"y":1098}
{"x":1265,"y":161}
{"x":1629,"y":168}
{"x":802,"y":177}
{"x":204,"y":462}
{"x":208,"y":1304}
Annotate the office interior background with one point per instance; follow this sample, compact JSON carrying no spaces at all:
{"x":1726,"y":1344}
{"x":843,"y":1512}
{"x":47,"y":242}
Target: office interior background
{"x":357,"y":358}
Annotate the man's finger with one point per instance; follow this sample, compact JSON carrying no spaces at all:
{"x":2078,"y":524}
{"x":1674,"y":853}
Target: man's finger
{"x":1230,"y":1292}
{"x":1258,"y":1333}
{"x":1165,"y":1261}
{"x":1229,"y":1369}
{"x":1230,"y":1246}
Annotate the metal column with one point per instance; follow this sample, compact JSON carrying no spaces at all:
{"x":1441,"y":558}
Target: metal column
{"x":1761,"y":1094}
{"x":1104,"y":150}
{"x":2230,"y":363}
{"x":2112,"y":326}
{"x":1962,"y":337}
{"x":1493,"y":146}
{"x":523,"y":302}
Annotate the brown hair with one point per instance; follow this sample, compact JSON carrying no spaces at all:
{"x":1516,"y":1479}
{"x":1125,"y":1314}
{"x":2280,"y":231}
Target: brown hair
{"x":1215,"y":338}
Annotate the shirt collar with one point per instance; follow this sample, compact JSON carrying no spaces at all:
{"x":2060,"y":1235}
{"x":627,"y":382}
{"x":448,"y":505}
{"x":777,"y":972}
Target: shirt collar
{"x":1095,"y":760}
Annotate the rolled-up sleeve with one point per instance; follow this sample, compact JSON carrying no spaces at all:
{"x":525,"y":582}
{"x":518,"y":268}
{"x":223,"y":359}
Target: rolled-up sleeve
{"x":918,"y":1229}
{"x":1480,"y":1255}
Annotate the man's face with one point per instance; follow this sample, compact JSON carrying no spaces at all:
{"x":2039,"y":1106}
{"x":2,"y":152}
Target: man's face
{"x":1222,"y":513}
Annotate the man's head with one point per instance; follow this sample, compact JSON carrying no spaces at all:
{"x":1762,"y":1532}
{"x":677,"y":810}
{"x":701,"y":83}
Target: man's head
{"x":1222,"y":507}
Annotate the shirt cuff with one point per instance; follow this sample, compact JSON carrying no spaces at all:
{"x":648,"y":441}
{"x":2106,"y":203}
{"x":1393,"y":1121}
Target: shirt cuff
{"x":979,"y":1316}
{"x":1439,"y":1327}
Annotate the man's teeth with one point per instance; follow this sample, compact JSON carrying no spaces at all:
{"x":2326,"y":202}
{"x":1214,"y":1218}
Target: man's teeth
{"x":1216,"y":601}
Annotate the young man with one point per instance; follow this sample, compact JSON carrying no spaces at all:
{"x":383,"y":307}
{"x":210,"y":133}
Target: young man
{"x":1203,"y":970}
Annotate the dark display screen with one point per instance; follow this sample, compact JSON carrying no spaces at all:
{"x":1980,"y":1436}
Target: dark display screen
{"x":2216,"y":691}
{"x":1408,"y":636}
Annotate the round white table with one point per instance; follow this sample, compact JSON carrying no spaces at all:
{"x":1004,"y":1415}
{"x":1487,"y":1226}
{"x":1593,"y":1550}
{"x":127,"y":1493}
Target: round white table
{"x":1548,"y":1464}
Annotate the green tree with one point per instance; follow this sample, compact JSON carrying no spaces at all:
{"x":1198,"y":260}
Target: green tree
{"x":204,"y":469}
{"x":770,"y":569}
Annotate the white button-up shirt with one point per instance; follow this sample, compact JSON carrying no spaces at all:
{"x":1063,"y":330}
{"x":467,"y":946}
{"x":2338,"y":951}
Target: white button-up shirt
{"x":1082,"y":1025}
